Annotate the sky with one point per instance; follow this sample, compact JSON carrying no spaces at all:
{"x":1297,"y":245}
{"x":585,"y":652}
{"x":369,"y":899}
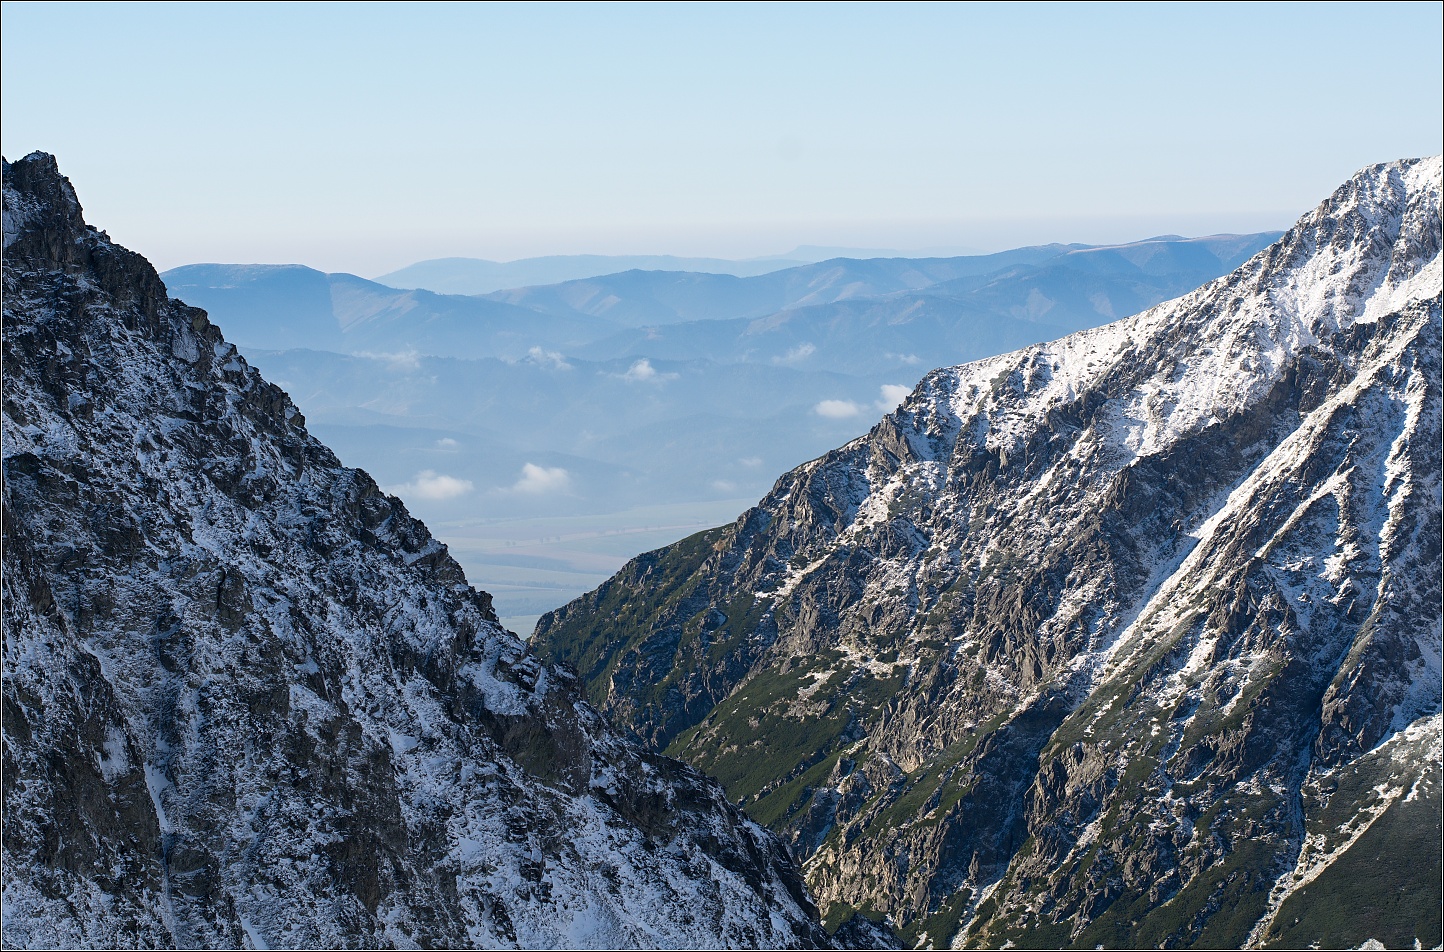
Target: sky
{"x":364,"y":137}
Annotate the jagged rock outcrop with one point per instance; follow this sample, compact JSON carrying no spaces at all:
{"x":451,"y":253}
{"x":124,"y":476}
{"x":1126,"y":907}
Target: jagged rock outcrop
{"x":249,"y":701}
{"x":1127,"y":639}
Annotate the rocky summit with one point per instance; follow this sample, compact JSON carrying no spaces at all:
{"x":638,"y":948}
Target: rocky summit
{"x":1131,"y":639}
{"x":249,"y":701}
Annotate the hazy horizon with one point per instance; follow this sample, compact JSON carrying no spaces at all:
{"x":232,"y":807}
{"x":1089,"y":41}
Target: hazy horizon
{"x":798,"y":253}
{"x":365,"y":139}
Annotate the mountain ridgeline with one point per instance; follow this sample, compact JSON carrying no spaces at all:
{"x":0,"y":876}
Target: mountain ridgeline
{"x":249,"y":701}
{"x":851,"y":312}
{"x":479,"y":276}
{"x":1131,"y":639}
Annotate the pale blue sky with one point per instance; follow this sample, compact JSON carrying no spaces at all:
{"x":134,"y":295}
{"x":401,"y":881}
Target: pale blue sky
{"x":362,"y":138}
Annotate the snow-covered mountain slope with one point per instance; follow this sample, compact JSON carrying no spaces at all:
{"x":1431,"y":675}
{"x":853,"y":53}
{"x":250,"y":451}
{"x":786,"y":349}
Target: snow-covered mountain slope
{"x":1083,"y":643}
{"x":249,"y":701}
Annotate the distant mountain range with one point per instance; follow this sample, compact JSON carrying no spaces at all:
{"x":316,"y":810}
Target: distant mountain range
{"x":653,"y":387}
{"x":479,"y":276}
{"x":1166,"y":264}
{"x":638,"y":298}
{"x":279,"y":307}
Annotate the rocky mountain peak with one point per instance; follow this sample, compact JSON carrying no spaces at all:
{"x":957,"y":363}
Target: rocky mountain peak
{"x":43,"y":199}
{"x":45,"y":224}
{"x":1074,"y":646}
{"x":250,"y":701}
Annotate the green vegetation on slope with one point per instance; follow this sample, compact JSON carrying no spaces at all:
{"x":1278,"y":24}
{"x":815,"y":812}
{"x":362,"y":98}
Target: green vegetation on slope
{"x":592,"y":635}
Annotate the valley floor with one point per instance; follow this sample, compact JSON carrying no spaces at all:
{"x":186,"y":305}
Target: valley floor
{"x":533,"y":564}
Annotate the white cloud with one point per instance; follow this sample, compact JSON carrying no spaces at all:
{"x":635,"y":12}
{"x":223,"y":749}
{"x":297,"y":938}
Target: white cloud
{"x":429,"y":484}
{"x":643,"y":372}
{"x":751,"y":461}
{"x":447,"y":443}
{"x":837,"y":409}
{"x":905,"y":358}
{"x":536,"y":480}
{"x":549,"y":359}
{"x":797,"y":354}
{"x":723,"y":485}
{"x":892,"y":395}
{"x":400,"y":360}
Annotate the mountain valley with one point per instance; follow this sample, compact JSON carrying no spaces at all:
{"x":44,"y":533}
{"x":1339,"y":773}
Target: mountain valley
{"x":722,"y":476}
{"x":644,"y":399}
{"x":1127,"y":639}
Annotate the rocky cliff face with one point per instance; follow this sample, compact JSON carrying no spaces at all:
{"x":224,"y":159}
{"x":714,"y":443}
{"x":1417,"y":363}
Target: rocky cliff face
{"x":1132,"y":638}
{"x":249,"y":701}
